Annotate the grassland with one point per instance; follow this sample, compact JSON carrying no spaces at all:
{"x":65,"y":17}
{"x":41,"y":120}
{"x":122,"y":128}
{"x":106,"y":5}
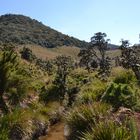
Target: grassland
{"x":51,"y":53}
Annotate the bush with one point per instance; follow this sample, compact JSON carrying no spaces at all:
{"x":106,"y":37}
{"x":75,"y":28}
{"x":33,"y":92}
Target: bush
{"x":91,"y":92}
{"x":49,"y":94}
{"x":78,"y":77}
{"x":121,"y":95}
{"x":23,"y":123}
{"x":27,"y":54}
{"x":80,"y":118}
{"x":123,"y":76}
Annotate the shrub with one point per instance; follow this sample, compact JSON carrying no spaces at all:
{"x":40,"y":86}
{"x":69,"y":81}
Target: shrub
{"x":49,"y":94}
{"x":91,"y":92}
{"x":121,"y":95}
{"x":78,"y":77}
{"x":27,"y":54}
{"x":23,"y":123}
{"x":123,"y":76}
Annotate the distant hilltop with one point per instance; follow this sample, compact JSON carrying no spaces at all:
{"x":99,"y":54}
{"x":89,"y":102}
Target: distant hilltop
{"x":21,"y":29}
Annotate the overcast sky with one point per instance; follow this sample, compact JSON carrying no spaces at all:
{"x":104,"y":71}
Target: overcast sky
{"x":82,"y":18}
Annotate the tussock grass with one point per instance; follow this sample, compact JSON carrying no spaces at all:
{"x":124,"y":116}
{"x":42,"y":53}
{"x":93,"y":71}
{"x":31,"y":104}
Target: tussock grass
{"x":82,"y":117}
{"x":91,"y":92}
{"x":107,"y":130}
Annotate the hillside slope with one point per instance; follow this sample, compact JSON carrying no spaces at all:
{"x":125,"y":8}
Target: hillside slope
{"x":20,"y":29}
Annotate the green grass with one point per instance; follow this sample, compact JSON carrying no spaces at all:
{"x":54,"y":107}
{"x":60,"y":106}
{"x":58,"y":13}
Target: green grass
{"x":80,"y":118}
{"x":107,"y":130}
{"x":91,"y":92}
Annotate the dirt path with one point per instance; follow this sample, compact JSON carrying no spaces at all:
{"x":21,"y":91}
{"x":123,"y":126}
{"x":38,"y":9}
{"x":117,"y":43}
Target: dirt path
{"x":56,"y":132}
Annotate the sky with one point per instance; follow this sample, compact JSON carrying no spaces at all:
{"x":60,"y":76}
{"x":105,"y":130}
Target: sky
{"x":82,"y":18}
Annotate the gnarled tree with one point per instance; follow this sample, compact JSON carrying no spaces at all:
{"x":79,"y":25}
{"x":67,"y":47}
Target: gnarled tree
{"x":64,"y":66}
{"x":100,"y":43}
{"x":95,"y":55}
{"x":130,"y":58}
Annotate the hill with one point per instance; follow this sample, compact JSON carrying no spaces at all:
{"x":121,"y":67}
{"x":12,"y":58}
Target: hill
{"x":21,"y":29}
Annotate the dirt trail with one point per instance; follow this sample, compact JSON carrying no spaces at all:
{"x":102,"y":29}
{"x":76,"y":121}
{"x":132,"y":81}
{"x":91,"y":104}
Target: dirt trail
{"x":56,"y":132}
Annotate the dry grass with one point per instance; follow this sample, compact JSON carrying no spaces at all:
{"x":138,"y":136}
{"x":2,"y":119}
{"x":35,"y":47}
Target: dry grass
{"x":50,"y":53}
{"x":114,"y":53}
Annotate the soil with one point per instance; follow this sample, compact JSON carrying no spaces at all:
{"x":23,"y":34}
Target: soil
{"x":56,"y":132}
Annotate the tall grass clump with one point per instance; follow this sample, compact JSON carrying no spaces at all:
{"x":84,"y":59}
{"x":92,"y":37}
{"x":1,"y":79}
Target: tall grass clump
{"x":123,"y":76}
{"x":107,"y":130}
{"x":133,"y":129}
{"x":80,"y":118}
{"x":91,"y":92}
{"x":78,"y":77}
{"x":23,"y":123}
{"x":7,"y":122}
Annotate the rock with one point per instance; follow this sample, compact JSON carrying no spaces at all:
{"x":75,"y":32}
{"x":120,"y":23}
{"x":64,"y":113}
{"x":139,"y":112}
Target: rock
{"x":66,"y":131}
{"x":123,"y":113}
{"x":41,"y":129}
{"x":33,"y":131}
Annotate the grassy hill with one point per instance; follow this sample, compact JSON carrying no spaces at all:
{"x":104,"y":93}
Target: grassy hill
{"x":21,"y":29}
{"x":45,"y":42}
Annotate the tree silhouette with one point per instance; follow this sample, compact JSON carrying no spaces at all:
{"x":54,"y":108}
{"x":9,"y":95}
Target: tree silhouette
{"x":100,"y":43}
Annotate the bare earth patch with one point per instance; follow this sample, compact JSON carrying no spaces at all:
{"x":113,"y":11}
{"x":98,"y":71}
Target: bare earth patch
{"x":56,"y":132}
